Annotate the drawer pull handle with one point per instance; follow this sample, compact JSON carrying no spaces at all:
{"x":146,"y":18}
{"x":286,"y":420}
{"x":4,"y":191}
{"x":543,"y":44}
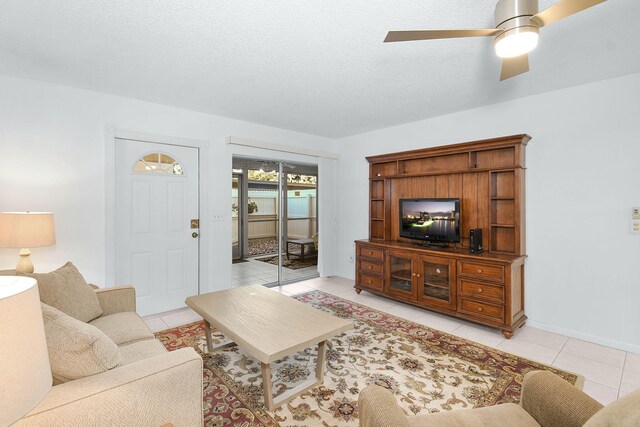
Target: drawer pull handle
{"x":479,"y":290}
{"x":479,"y":271}
{"x":370,"y":267}
{"x":369,"y":281}
{"x":418,"y":274}
{"x":413,"y":274}
{"x":479,"y":308}
{"x":438,"y":270}
{"x":370,"y":253}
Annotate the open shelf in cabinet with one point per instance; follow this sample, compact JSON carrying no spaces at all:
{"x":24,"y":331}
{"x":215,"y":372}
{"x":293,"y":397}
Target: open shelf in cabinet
{"x":503,"y":184}
{"x":377,"y":189}
{"x":377,"y":229}
{"x":384,"y":169}
{"x":503,"y":239}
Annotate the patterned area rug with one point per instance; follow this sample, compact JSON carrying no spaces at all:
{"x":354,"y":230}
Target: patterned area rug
{"x":294,"y":263}
{"x":427,"y":370}
{"x":266,"y":246}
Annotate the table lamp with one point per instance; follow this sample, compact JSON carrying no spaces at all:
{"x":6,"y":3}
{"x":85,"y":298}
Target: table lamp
{"x":25,"y":373}
{"x":26,"y":230}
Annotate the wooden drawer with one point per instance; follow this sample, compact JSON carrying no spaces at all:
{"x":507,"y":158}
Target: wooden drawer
{"x":482,"y":290}
{"x":494,"y":273}
{"x":370,"y":253}
{"x":481,"y":309}
{"x":370,"y":281}
{"x":370,"y":267}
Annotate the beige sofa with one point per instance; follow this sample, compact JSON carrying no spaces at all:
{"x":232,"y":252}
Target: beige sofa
{"x":139,"y":382}
{"x":547,"y":400}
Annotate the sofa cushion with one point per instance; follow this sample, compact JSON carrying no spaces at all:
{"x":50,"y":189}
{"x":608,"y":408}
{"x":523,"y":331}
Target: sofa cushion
{"x":66,"y":290}
{"x":76,"y":349}
{"x":123,"y":328}
{"x":141,"y":350}
{"x":621,"y":413}
{"x":508,"y":414}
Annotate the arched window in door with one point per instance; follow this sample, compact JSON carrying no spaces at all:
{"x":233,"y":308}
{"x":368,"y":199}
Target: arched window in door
{"x":158,"y":163}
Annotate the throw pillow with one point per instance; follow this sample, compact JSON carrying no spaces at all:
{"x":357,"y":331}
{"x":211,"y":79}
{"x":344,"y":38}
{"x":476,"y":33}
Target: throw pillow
{"x":76,"y":349}
{"x":66,"y":290}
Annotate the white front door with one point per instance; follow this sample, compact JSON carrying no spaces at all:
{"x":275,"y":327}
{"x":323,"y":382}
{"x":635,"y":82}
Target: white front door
{"x":156,"y":200}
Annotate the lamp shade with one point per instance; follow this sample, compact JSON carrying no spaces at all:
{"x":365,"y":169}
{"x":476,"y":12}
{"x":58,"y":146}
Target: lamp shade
{"x":25,"y":372}
{"x":26,"y":229}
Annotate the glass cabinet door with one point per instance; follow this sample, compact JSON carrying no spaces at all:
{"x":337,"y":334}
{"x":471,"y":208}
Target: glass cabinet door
{"x":436,"y":281}
{"x":400,"y":274}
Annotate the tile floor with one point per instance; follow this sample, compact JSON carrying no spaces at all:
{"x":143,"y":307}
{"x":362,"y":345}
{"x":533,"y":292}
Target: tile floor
{"x":609,"y":373}
{"x":255,"y":272}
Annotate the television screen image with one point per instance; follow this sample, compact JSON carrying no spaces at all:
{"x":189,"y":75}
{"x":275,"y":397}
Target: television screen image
{"x":435,"y":220}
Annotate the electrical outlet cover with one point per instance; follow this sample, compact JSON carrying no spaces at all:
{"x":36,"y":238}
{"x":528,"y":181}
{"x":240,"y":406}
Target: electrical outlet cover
{"x":635,"y":213}
{"x":634,"y":226}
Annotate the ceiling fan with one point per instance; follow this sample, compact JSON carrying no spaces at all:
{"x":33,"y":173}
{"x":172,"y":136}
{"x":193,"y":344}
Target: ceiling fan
{"x":516,"y":32}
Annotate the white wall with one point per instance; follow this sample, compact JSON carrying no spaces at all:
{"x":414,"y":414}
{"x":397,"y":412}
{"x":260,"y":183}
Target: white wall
{"x":52,"y":148}
{"x":583,"y":271}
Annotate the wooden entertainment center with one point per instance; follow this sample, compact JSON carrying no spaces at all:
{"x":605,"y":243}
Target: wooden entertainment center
{"x":489,"y":179}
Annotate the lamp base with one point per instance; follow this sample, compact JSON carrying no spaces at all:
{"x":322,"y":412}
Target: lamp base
{"x":24,"y":265}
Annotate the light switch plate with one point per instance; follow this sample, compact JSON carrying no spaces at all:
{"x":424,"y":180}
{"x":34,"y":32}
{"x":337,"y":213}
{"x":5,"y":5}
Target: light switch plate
{"x":634,"y":226}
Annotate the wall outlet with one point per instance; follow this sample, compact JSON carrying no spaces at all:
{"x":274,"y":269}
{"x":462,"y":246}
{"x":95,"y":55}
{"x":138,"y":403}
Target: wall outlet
{"x":635,"y":213}
{"x":634,"y":226}
{"x":351,"y":259}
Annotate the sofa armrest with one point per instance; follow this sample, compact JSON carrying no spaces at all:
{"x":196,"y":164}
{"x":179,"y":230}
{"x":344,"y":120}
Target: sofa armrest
{"x":377,"y":407}
{"x":117,"y":300}
{"x":162,"y":389}
{"x":552,"y":401}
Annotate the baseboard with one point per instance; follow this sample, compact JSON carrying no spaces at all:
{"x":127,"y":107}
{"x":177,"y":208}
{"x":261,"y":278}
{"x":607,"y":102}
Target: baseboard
{"x":586,"y":337}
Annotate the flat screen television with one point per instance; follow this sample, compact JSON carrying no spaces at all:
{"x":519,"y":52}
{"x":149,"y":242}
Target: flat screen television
{"x":433,"y":220}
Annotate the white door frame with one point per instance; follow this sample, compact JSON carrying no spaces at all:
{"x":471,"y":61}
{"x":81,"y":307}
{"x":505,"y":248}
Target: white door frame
{"x":111,"y":134}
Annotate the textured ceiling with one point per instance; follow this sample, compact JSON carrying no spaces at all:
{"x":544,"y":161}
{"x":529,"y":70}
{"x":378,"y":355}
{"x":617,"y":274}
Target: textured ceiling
{"x":313,"y":66}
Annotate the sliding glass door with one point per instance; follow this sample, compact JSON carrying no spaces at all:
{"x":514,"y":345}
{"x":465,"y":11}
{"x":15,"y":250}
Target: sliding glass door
{"x":277,"y":222}
{"x":299,"y":225}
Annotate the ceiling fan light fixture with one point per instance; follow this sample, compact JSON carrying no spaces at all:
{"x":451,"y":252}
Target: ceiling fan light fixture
{"x":516,"y":41}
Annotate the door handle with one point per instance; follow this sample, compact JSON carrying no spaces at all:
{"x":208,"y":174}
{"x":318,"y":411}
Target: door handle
{"x":194,"y":235}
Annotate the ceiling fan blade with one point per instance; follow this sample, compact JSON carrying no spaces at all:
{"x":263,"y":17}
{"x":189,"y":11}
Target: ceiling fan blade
{"x":403,"y":36}
{"x":513,"y":66}
{"x":561,"y":10}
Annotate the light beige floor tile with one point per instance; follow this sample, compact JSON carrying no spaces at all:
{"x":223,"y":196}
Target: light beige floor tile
{"x":156,"y":324}
{"x":337,"y":288}
{"x":182,"y":318}
{"x":377,"y":302}
{"x":319,"y":282}
{"x":592,"y":370}
{"x":342,"y":280}
{"x":529,"y":350}
{"x":600,"y":353}
{"x":630,"y":381}
{"x":601,"y":393}
{"x":632,"y":362}
{"x":487,"y":336}
{"x":405,"y":311}
{"x":540,"y":337}
{"x":622,"y":393}
{"x":296,"y":288}
{"x":439,"y":322}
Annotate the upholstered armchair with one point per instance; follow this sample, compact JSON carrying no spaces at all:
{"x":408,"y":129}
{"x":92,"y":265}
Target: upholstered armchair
{"x":547,"y":400}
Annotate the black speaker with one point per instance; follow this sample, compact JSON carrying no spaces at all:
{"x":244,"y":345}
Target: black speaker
{"x":475,"y":240}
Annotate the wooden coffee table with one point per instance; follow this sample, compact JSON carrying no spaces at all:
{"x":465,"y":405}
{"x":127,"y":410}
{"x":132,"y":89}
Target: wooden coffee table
{"x":268,"y":326}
